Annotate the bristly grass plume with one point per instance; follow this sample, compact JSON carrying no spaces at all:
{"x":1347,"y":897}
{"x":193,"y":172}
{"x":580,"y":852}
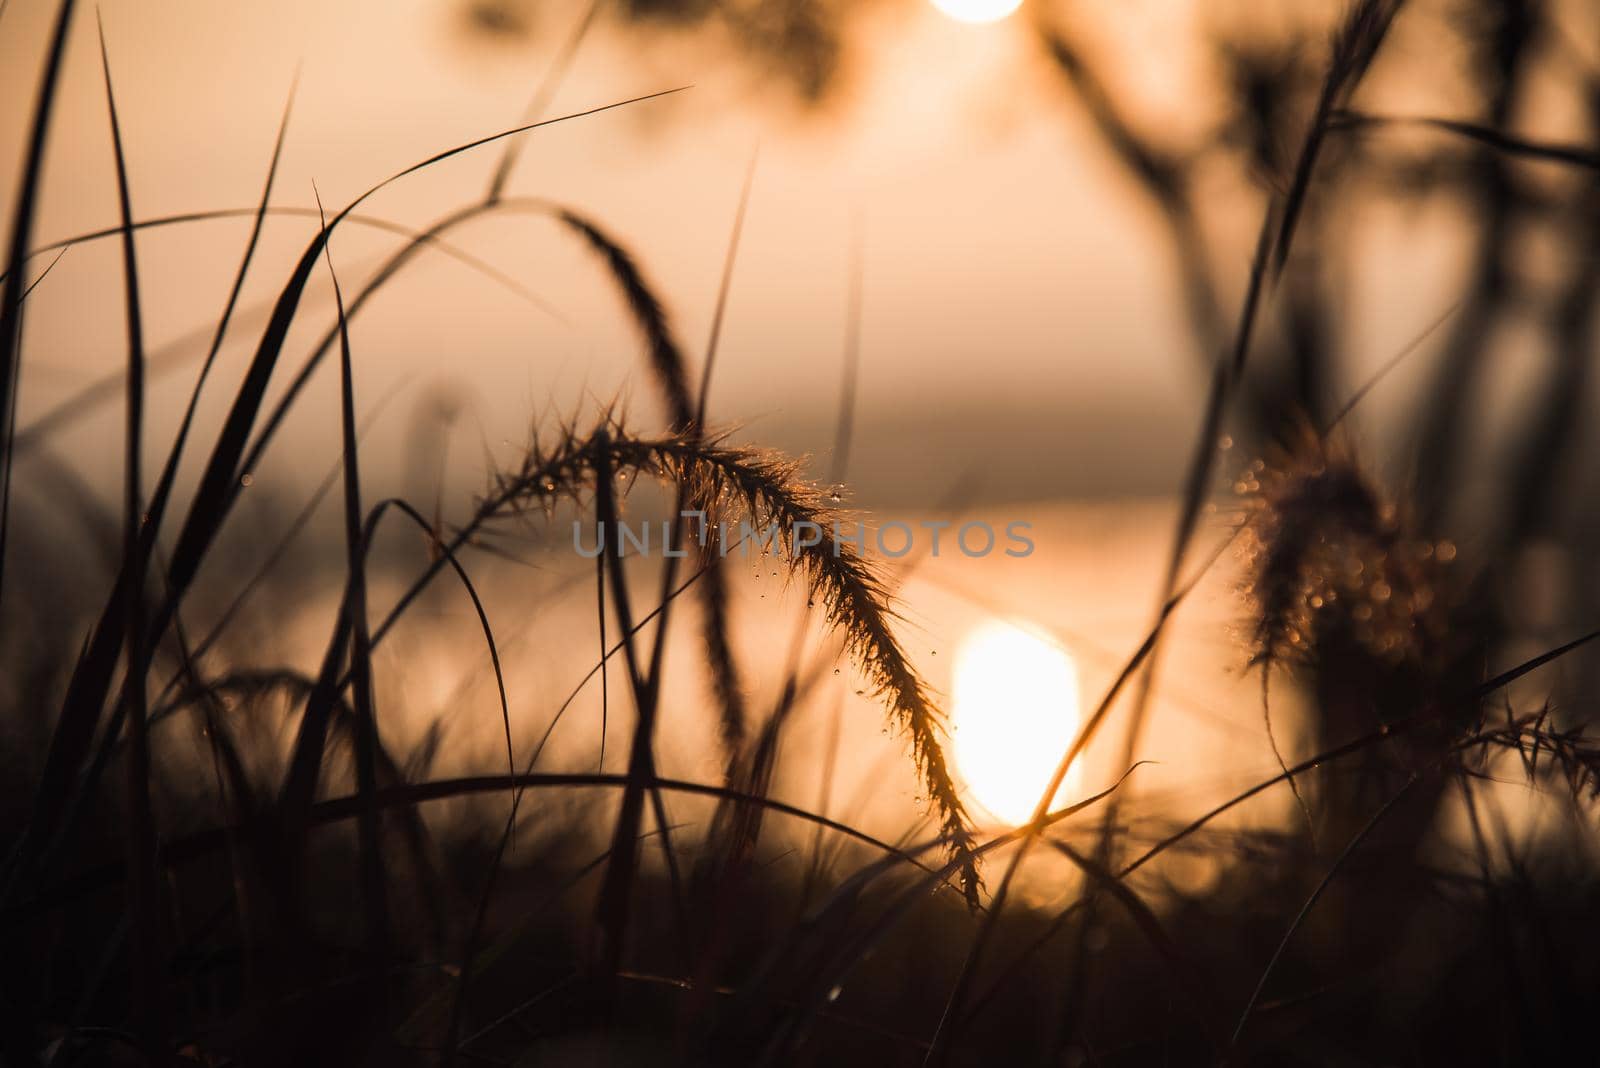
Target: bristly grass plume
{"x":730,"y":480}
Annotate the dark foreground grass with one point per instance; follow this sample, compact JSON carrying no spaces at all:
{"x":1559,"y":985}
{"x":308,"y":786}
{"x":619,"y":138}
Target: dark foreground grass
{"x":212,"y":860}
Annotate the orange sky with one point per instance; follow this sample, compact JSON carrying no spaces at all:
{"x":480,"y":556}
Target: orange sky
{"x":1016,"y":300}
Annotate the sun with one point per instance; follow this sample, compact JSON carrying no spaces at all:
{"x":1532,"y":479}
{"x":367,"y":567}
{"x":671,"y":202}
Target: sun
{"x":1015,"y":710}
{"x":977,"y":10}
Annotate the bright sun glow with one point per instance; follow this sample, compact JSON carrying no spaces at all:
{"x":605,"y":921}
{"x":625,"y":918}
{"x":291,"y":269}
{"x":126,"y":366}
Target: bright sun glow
{"x":1015,"y":710}
{"x":977,"y":10}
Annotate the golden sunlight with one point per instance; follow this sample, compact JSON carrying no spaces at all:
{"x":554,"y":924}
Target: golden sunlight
{"x":977,"y":10}
{"x":1015,"y":710}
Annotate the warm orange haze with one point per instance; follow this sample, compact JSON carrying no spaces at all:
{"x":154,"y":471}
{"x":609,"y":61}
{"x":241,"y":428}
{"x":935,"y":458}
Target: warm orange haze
{"x":693,"y":532}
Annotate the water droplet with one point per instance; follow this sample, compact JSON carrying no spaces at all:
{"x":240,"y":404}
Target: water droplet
{"x":1446,"y":552}
{"x":247,"y":479}
{"x":836,"y":671}
{"x":1224,"y":443}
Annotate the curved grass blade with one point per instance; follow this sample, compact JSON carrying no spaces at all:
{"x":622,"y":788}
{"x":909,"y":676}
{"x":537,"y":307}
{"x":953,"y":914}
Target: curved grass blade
{"x":144,"y":881}
{"x":158,"y":499}
{"x":1185,"y":973}
{"x":194,"y":845}
{"x":22,"y":220}
{"x":541,"y":100}
{"x":44,"y":273}
{"x":1355,"y":47}
{"x":666,"y":358}
{"x":613,"y":904}
{"x":831,"y":973}
{"x":218,"y":484}
{"x":1509,"y":144}
{"x":390,"y":268}
{"x":290,"y":532}
{"x":373,"y":877}
{"x":74,"y":733}
{"x":110,"y":386}
{"x":1310,"y":903}
{"x":375,"y":222}
{"x":955,"y":1007}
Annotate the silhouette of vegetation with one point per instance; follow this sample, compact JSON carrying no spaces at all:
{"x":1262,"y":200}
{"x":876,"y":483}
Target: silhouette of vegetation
{"x":213,"y":858}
